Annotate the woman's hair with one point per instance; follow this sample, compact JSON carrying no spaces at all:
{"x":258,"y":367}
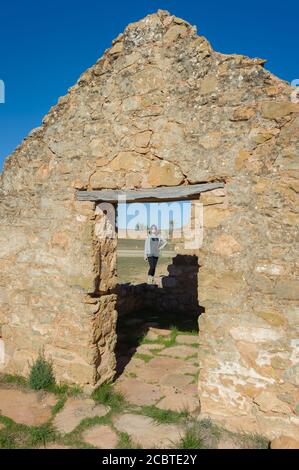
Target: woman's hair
{"x":153,"y":227}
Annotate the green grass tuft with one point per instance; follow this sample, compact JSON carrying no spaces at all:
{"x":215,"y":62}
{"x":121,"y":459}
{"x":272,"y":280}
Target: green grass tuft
{"x":125,"y":442}
{"x":191,"y":439}
{"x":6,"y":421}
{"x":41,"y":434}
{"x":164,"y":416}
{"x":106,"y":395}
{"x":41,"y":374}
{"x":13,"y":379}
{"x":132,"y":375}
{"x":20,"y":436}
{"x":65,"y":390}
{"x":59,"y":405}
{"x":253,"y":441}
{"x":144,"y":357}
{"x":171,"y":340}
{"x":6,"y":441}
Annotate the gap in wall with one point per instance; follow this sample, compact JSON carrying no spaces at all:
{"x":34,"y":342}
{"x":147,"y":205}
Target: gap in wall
{"x":171,"y":305}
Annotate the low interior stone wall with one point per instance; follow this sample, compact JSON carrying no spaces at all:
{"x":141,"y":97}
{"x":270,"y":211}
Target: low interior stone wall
{"x":178,"y":291}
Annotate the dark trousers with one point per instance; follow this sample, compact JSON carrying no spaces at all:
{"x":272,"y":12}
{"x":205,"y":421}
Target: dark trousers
{"x":152,"y":261}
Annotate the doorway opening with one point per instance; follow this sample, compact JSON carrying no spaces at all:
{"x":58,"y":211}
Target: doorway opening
{"x":157,"y":326}
{"x":151,"y":330}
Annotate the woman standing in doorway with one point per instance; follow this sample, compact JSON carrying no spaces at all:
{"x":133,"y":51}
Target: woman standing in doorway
{"x":153,"y":244}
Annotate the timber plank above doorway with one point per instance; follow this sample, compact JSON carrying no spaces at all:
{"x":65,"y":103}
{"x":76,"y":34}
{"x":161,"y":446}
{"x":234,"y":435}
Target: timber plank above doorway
{"x":163,"y":193}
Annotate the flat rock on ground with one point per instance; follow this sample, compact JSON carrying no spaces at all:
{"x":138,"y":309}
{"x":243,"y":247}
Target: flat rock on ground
{"x":179,"y":402}
{"x":54,"y":445}
{"x":226,"y":443}
{"x":151,"y":374}
{"x":191,"y":389}
{"x":134,"y":365}
{"x":160,"y":331}
{"x":101,"y":436}
{"x":75,"y":410}
{"x":167,"y":363}
{"x":176,"y":380}
{"x":284,"y":442}
{"x":187,"y":339}
{"x":26,"y":407}
{"x":181,"y":351}
{"x":154,"y":333}
{"x":147,"y":433}
{"x":137,"y":392}
{"x":145,"y":348}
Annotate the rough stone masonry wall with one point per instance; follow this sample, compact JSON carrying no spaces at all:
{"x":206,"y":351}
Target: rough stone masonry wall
{"x":176,"y":291}
{"x":162,"y":108}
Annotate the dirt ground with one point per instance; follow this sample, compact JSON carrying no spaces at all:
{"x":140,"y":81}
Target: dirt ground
{"x":131,"y":266}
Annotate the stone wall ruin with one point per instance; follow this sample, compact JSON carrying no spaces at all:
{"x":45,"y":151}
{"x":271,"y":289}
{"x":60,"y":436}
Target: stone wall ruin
{"x":162,"y":108}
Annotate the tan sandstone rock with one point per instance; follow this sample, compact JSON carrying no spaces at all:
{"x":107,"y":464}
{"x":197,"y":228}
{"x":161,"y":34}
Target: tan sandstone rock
{"x":226,"y":245}
{"x":101,"y":436}
{"x":146,"y":432}
{"x":284,"y":442}
{"x":74,"y":411}
{"x":164,"y":174}
{"x":268,"y":402}
{"x":137,"y":392}
{"x":276,"y":110}
{"x":24,"y":407}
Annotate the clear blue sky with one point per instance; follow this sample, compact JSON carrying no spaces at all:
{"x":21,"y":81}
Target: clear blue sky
{"x":45,"y":46}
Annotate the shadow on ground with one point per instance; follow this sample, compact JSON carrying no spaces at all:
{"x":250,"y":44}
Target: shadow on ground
{"x":173,"y":305}
{"x":133,"y":327}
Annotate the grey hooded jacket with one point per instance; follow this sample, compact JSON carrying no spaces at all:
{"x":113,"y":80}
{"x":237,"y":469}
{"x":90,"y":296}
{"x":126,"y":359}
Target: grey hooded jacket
{"x":153,"y":245}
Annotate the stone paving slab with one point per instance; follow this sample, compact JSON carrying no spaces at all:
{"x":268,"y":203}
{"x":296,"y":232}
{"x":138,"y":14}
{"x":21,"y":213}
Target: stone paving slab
{"x":191,"y":389}
{"x":169,"y":363}
{"x":187,"y":339}
{"x":26,"y":407}
{"x":179,"y":402}
{"x":226,"y":443}
{"x":75,"y":410}
{"x":177,"y":381}
{"x":285,"y":442}
{"x":154,"y":333}
{"x":188,"y":368}
{"x":137,"y":392}
{"x":145,"y":432}
{"x":180,"y":351}
{"x":160,"y":331}
{"x":54,"y":445}
{"x":101,"y":436}
{"x":151,"y":374}
{"x":134,"y":365}
{"x":143,"y":350}
{"x":147,"y":347}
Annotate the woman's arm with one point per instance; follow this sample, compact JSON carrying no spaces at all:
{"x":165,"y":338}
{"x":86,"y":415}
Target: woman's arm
{"x":163,"y":243}
{"x":146,"y":248}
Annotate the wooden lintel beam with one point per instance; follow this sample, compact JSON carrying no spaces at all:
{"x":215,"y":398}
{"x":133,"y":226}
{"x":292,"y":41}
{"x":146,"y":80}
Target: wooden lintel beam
{"x":164,"y":193}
